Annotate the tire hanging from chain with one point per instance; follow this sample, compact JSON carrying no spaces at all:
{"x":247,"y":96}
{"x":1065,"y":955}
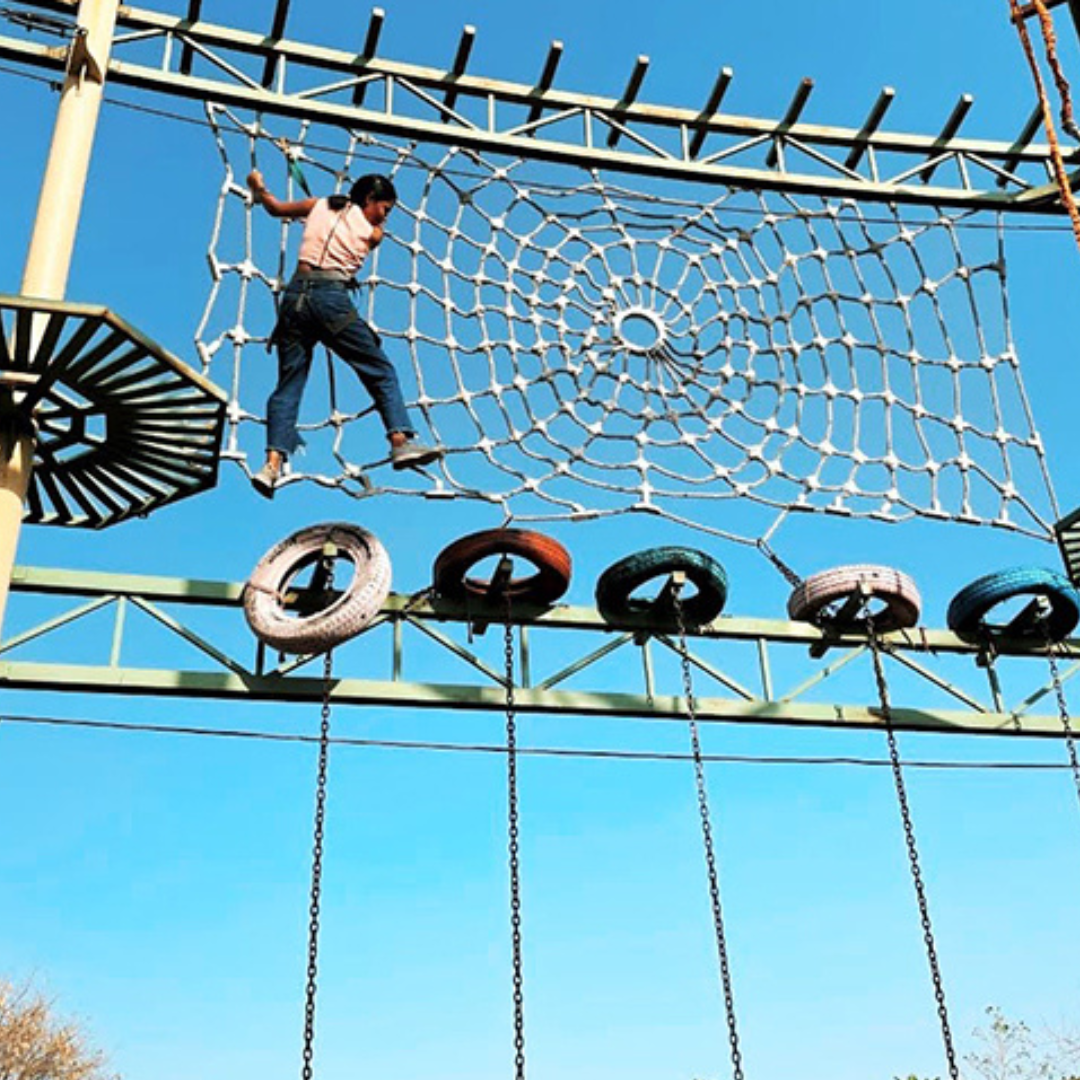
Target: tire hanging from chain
{"x":912,"y":850}
{"x":513,"y":851}
{"x":707,"y":835}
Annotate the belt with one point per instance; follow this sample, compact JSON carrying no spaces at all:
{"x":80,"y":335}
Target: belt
{"x":325,"y":277}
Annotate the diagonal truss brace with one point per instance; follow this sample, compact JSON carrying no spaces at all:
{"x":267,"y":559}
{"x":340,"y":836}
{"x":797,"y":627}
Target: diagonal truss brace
{"x":370,"y":676}
{"x":369,"y":93}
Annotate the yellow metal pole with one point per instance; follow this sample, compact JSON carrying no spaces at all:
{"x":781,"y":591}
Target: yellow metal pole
{"x":16,"y":452}
{"x":48,"y":259}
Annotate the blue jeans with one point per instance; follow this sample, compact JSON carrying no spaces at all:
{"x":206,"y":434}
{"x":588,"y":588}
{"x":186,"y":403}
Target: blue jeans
{"x":317,"y":310}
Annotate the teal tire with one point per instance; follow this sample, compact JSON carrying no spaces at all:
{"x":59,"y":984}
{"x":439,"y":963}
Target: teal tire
{"x":617,"y":584}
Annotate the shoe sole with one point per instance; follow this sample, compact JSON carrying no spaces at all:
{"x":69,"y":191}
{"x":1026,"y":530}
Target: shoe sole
{"x":416,"y":462}
{"x":266,"y":490}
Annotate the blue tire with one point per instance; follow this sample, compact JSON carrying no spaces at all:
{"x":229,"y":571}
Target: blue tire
{"x":971,"y":607}
{"x":617,"y":583}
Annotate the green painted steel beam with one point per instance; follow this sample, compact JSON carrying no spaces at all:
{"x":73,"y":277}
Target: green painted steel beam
{"x":227,"y":678}
{"x":229,"y":686}
{"x":57,"y":582}
{"x":555,"y":100}
{"x":51,"y":581}
{"x":557,"y":125}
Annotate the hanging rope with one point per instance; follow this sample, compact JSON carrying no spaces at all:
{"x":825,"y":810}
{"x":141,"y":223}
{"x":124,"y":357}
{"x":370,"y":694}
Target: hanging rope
{"x":1061,"y":176}
{"x":707,"y":836}
{"x":292,"y":160}
{"x":1046,"y":22}
{"x":513,"y":850}
{"x":316,"y":875}
{"x":912,"y":851}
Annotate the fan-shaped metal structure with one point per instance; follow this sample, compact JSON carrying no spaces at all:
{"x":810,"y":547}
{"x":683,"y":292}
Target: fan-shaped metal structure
{"x":122,"y":426}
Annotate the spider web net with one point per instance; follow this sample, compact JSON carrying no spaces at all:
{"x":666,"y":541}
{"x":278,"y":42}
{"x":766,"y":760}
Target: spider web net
{"x":584,"y":348}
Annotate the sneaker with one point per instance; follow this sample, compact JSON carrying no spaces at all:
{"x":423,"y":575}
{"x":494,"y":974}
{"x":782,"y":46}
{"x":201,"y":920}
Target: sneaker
{"x":265,"y":480}
{"x":411,"y":454}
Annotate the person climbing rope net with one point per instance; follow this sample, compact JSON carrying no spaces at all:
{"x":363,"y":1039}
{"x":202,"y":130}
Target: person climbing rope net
{"x":722,"y":358}
{"x":339,"y":233}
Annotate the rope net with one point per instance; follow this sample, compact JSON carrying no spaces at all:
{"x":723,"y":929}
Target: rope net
{"x":583,"y":348}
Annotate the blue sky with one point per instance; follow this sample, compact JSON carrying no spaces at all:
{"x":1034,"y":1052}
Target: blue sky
{"x":157,"y":884}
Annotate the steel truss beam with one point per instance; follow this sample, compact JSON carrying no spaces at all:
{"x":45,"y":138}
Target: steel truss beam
{"x":540,"y":121}
{"x":805,"y":657}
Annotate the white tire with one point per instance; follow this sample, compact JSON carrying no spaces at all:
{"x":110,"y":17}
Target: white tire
{"x":891,"y":599}
{"x":345,"y":617}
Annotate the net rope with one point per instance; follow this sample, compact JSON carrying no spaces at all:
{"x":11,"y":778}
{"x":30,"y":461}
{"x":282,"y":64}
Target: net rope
{"x":583,"y":348}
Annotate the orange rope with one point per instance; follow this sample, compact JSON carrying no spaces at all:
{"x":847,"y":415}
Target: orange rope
{"x":1061,"y":176}
{"x":1063,"y":89}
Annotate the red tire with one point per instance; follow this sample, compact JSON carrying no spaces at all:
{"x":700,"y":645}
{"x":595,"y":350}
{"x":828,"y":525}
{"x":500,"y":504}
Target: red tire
{"x":548,"y":556}
{"x":344,"y":617}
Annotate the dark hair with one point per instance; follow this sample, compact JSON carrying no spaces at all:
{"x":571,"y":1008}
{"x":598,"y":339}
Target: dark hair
{"x":379,"y":188}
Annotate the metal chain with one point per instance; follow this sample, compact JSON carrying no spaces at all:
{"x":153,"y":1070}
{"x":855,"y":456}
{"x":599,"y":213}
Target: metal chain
{"x":1063,"y":709}
{"x":912,"y":852}
{"x":316,"y":874}
{"x":513,"y":851}
{"x":786,"y":571}
{"x":707,"y":836}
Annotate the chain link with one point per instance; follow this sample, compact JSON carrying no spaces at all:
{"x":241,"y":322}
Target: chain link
{"x":513,"y":851}
{"x":707,"y":836}
{"x":786,"y":572}
{"x":316,"y":875}
{"x":1063,"y":708}
{"x":912,"y":851}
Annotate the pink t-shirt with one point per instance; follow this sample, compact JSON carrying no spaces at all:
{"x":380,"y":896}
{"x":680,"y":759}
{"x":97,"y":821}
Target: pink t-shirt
{"x":336,"y":239}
